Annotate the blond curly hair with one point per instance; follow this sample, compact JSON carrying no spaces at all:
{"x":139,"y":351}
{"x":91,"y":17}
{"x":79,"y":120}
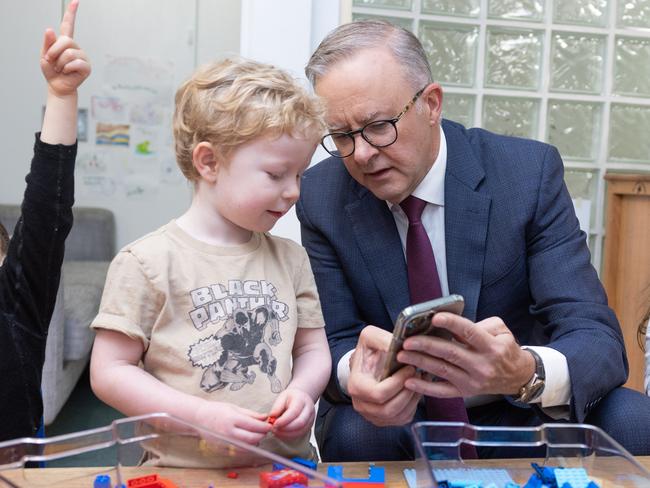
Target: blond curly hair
{"x":4,"y":241}
{"x":234,"y":101}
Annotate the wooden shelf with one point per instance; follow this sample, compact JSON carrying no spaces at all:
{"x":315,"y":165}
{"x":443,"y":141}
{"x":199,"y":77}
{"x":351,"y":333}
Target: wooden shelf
{"x":626,"y":267}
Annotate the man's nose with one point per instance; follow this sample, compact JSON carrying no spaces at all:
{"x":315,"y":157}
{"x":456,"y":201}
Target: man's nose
{"x":363,"y":150}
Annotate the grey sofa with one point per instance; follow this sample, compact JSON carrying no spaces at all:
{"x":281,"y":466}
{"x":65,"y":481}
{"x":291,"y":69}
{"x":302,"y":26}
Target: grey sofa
{"x":88,"y":251}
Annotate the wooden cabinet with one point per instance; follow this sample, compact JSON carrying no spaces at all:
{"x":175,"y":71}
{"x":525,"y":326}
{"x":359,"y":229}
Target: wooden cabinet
{"x":626,"y":271}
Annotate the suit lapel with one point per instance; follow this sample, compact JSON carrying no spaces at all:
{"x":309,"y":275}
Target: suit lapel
{"x":466,"y":223}
{"x":466,"y":219}
{"x":374,"y":229}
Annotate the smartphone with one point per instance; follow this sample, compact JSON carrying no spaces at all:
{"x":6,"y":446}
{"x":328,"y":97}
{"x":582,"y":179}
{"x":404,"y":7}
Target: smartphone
{"x":416,"y":320}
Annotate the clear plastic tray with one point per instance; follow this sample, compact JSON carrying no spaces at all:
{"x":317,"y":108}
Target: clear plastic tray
{"x":124,"y":445}
{"x":555,"y":445}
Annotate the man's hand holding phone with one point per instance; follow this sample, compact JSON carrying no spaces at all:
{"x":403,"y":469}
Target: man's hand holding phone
{"x":416,"y":320}
{"x":385,"y":402}
{"x":377,"y":381}
{"x":483,"y":358}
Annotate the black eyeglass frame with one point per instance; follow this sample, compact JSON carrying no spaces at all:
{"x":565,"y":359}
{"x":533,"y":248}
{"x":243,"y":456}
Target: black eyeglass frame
{"x":352,"y":133}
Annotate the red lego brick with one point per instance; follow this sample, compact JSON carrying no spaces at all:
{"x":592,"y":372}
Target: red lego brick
{"x":284,"y":477}
{"x":150,"y":481}
{"x":362,"y":484}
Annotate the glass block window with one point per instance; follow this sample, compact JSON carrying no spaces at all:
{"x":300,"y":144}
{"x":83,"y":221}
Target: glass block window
{"x":513,"y":58}
{"x":511,"y":116}
{"x":459,"y":108}
{"x":451,"y":50}
{"x":516,"y":9}
{"x":573,"y":73}
{"x":580,"y":12}
{"x":573,"y":127}
{"x":577,"y":62}
{"x":464,"y":8}
{"x":632,"y":66}
{"x":633,"y":13}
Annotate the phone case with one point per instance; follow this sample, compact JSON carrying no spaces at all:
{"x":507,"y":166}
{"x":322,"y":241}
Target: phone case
{"x":416,"y":320}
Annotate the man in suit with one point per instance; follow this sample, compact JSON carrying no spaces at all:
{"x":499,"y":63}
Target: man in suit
{"x":536,"y":341}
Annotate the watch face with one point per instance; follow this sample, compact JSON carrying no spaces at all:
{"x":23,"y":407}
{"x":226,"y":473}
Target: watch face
{"x":533,"y":391}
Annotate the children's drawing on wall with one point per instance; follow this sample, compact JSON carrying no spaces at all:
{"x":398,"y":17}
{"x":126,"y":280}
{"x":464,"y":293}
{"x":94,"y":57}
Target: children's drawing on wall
{"x":97,"y":175}
{"x":112,"y":134}
{"x":140,"y":79}
{"x":108,"y":110}
{"x":146,"y":141}
{"x":139,"y":186}
{"x":131,"y":117}
{"x":151,"y":114}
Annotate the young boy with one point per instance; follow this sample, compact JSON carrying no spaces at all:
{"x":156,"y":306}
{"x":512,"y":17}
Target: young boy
{"x":224,"y":317}
{"x":31,"y":260}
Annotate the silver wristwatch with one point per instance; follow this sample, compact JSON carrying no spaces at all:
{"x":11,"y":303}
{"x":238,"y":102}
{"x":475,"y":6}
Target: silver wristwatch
{"x":535,"y":386}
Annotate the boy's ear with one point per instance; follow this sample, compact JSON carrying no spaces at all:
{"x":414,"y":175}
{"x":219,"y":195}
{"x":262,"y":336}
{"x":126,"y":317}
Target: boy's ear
{"x":206,"y":161}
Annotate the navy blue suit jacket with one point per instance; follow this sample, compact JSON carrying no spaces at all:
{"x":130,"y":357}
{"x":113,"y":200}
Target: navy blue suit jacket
{"x":514,"y":250}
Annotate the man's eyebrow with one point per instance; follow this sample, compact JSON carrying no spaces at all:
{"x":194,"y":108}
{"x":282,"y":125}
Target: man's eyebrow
{"x":371,"y":117}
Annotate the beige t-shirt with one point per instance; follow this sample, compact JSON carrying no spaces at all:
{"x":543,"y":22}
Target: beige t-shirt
{"x":216,"y":322}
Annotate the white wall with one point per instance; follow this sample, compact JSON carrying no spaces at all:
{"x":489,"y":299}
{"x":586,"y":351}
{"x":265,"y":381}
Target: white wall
{"x":187,"y":33}
{"x":22,"y":89}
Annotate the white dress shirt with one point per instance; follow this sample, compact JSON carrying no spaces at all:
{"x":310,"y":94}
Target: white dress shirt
{"x":557,"y":390}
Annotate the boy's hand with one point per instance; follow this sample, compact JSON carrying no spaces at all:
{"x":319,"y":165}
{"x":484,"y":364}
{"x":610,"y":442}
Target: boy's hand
{"x":64,"y":65}
{"x":294,"y":412}
{"x":232,"y":421}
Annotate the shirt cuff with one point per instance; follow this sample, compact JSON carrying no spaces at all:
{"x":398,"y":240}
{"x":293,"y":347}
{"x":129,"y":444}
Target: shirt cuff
{"x":343,"y":371}
{"x":557,"y":384}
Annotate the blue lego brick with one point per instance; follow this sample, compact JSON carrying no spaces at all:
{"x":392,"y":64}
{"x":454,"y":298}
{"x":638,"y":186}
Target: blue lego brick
{"x":410,"y":475}
{"x":375,"y":475}
{"x":305,"y":462}
{"x":546,"y":474}
{"x":534,"y":481}
{"x":485,"y":478}
{"x":477,"y":476}
{"x":102,"y":481}
{"x":574,"y":477}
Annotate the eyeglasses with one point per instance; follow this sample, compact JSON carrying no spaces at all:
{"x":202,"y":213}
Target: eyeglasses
{"x":379,"y":133}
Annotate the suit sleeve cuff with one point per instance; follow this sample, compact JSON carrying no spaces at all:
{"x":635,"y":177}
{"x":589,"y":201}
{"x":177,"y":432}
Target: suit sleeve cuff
{"x":557,"y":384}
{"x":343,"y":371}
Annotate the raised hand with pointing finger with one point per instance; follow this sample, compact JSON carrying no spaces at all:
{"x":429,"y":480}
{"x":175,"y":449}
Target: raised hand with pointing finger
{"x":65,"y":66}
{"x":30,"y":262}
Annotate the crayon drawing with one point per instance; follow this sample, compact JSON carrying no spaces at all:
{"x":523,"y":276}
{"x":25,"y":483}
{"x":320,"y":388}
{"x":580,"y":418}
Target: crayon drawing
{"x":112,"y":134}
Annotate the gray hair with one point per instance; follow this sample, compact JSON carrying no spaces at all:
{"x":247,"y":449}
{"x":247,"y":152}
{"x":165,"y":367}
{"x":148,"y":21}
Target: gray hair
{"x":348,"y":39}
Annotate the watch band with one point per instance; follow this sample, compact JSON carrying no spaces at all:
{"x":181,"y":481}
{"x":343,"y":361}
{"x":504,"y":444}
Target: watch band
{"x":535,"y":386}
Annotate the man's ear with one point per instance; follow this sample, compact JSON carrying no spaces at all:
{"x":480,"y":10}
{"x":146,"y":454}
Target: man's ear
{"x":432,"y":97}
{"x":206,"y":161}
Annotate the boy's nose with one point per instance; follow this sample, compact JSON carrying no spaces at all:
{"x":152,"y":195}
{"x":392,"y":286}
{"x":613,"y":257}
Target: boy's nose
{"x":292,"y":191}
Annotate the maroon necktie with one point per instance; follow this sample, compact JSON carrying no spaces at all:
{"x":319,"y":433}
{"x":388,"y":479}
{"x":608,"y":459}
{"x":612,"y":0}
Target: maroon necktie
{"x":424,"y":284}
